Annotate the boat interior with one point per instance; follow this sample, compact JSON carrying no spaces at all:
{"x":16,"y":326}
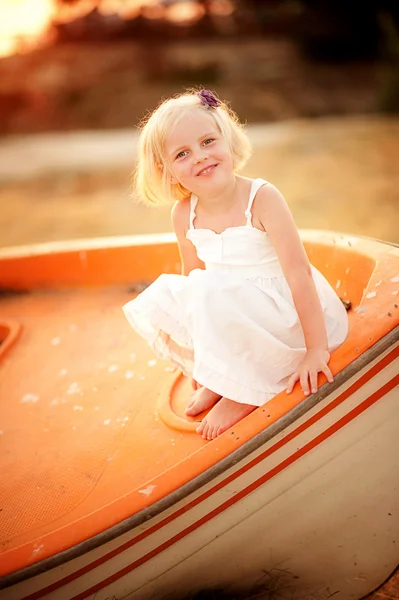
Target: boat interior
{"x":92,"y":425}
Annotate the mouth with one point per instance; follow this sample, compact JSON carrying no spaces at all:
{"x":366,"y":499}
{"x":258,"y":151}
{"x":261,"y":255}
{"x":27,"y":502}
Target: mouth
{"x":207,"y":170}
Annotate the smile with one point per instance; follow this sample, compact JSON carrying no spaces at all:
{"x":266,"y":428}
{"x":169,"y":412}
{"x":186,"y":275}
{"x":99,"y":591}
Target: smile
{"x":207,"y":170}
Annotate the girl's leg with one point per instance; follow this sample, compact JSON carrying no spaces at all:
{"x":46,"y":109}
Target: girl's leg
{"x":201,"y":400}
{"x":224,"y":415}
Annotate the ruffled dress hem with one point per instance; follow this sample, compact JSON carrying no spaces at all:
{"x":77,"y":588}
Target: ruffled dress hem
{"x":170,"y":341}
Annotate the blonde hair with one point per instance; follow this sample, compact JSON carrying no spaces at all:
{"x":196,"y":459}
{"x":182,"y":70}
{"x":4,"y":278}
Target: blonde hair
{"x":152,"y":177}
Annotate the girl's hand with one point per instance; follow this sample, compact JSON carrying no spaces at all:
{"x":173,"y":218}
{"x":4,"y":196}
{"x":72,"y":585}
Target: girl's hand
{"x":315,"y":362}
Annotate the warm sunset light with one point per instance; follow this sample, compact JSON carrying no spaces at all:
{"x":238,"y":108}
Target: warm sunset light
{"x":22,"y":22}
{"x":68,"y":12}
{"x":222,"y":8}
{"x":25,"y":24}
{"x":109,"y":7}
{"x":184,"y":12}
{"x":126,"y":8}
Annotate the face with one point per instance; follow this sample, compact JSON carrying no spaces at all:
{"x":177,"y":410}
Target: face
{"x":199,"y":157}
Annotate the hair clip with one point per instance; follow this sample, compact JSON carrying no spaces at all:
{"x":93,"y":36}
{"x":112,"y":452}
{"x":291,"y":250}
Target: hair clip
{"x":208,"y":99}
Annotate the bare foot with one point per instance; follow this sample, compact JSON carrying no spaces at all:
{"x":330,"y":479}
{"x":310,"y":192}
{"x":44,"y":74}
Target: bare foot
{"x":201,"y":400}
{"x":223,"y":416}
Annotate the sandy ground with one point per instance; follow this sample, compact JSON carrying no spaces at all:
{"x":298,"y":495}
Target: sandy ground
{"x":337,"y":174}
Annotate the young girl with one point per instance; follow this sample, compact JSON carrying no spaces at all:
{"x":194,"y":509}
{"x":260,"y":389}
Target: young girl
{"x":249,"y":316}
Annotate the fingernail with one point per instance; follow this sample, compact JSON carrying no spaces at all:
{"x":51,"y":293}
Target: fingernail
{"x":306,"y":393}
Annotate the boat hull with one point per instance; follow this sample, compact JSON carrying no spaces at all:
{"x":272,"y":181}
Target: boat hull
{"x":309,"y":506}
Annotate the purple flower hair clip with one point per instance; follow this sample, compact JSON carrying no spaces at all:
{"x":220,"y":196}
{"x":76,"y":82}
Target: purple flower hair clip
{"x":208,"y":99}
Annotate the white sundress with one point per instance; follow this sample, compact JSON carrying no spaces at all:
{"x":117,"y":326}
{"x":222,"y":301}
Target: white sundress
{"x":232,"y":327}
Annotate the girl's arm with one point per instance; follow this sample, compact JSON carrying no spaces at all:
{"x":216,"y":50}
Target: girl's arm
{"x":180,"y":222}
{"x":277,"y":220}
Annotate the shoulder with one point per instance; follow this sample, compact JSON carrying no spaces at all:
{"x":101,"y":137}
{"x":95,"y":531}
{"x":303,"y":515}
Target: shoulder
{"x":181,"y":216}
{"x":268,"y":194}
{"x":269,"y":204}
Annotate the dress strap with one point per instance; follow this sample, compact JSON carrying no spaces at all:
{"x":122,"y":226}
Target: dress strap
{"x":193,"y":204}
{"x":255,"y":186}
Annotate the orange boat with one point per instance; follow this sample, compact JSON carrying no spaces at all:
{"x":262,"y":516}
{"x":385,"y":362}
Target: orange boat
{"x":108,"y":492}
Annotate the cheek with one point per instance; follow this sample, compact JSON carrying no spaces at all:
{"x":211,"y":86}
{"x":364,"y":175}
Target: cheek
{"x":183,"y":169}
{"x":227,"y":154}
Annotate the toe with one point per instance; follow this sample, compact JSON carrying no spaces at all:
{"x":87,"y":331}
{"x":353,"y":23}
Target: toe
{"x":201,"y":427}
{"x":210,"y":435}
{"x":215,"y":432}
{"x":205,"y":431}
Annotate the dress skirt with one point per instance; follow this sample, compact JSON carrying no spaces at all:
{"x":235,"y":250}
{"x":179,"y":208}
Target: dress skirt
{"x":239,"y":337}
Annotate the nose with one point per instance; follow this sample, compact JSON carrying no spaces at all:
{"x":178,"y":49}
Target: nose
{"x":200,"y":156}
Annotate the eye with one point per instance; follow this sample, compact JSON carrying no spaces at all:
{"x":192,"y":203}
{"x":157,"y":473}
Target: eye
{"x":181,"y":154}
{"x":208,"y":141}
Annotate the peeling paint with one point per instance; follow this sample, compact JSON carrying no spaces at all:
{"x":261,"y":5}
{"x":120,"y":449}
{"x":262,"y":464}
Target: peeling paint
{"x":395,"y":279}
{"x":37,"y":551}
{"x":63,"y":372}
{"x":371,"y":294}
{"x":148,"y":490}
{"x":129,"y":374}
{"x":73,"y":388}
{"x":338,"y":284}
{"x":107,"y":421}
{"x":113,"y":368}
{"x":29,"y":398}
{"x":55,"y":341}
{"x":77,"y":407}
{"x":360,"y":310}
{"x":152,"y":363}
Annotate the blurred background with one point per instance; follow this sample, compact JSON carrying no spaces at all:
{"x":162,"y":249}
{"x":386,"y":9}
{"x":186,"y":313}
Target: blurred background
{"x":316,"y":81}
